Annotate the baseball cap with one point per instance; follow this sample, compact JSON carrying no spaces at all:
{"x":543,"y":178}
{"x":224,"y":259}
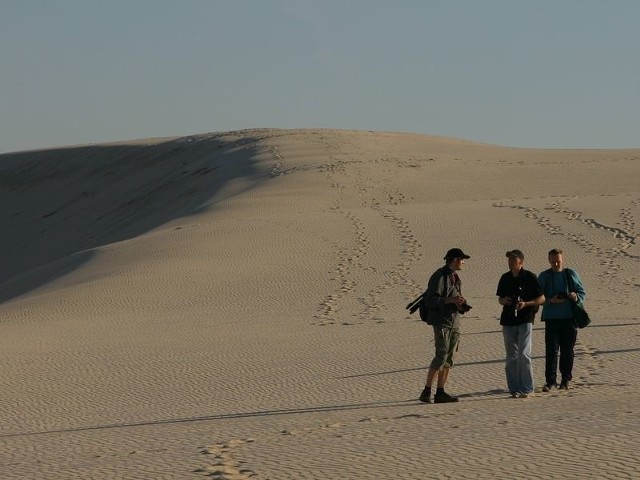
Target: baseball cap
{"x":515,"y":253}
{"x":456,"y":253}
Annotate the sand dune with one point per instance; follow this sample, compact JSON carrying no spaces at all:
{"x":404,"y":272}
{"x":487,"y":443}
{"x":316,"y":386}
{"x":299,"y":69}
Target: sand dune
{"x":231,"y":305}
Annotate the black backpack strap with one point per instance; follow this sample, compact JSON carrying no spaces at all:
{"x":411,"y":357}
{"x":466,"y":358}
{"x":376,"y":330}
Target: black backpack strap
{"x":569,"y":279}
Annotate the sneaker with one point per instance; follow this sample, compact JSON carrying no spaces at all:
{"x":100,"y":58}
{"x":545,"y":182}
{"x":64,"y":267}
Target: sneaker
{"x":564,"y":385}
{"x":525,"y":394}
{"x":514,"y":394}
{"x":548,"y":387}
{"x":444,"y":397}
{"x":425,"y":396}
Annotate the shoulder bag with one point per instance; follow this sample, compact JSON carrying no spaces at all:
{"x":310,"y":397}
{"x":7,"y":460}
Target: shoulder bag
{"x":580,"y":315}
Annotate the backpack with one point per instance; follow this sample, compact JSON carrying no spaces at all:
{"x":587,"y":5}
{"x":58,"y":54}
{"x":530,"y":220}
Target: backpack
{"x":423,"y":309}
{"x":420,"y":303}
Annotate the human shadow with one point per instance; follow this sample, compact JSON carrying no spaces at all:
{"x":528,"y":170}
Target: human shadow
{"x":611,"y":352}
{"x":222,"y":416}
{"x":540,"y":327}
{"x":490,"y":361}
{"x":61,"y":204}
{"x":414,"y":369}
{"x":609,"y":325}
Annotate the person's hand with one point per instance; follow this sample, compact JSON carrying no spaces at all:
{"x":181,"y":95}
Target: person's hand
{"x":457,"y":300}
{"x":573,"y":296}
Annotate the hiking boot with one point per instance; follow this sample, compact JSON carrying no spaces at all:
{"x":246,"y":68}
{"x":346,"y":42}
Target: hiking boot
{"x":425,"y":396}
{"x":444,"y":397}
{"x":548,"y":387}
{"x":564,"y":385}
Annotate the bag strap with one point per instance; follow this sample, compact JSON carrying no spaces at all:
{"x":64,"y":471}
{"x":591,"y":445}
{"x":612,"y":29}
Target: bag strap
{"x":444,"y":275}
{"x":569,"y":280}
{"x":553,"y":285}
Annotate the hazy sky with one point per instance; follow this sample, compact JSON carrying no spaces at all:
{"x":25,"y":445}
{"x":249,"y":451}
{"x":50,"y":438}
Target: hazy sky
{"x":529,"y":73}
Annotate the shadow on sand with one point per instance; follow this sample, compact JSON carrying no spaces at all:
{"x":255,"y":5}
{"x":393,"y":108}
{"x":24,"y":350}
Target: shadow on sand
{"x":224,"y":416}
{"x":493,"y":361}
{"x":60,"y":204}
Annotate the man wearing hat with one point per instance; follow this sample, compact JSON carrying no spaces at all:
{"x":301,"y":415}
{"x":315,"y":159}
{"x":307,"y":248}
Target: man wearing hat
{"x":519,"y":294}
{"x":445,"y":304}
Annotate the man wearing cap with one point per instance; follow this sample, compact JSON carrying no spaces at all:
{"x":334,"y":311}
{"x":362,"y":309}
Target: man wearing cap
{"x":519,"y":294}
{"x":561,"y":286}
{"x":445,"y":304}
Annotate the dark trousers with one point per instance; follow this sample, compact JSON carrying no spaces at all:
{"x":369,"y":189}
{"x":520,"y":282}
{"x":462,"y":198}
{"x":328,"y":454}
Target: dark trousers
{"x":559,"y":335}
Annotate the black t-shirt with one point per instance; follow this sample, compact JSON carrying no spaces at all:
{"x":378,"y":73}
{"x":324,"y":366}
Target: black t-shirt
{"x":526,"y":286}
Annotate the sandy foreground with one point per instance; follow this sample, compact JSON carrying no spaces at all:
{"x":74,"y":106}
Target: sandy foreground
{"x":232,"y":306}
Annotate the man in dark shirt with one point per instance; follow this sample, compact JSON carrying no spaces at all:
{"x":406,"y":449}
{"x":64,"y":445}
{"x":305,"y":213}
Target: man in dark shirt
{"x":519,"y":294}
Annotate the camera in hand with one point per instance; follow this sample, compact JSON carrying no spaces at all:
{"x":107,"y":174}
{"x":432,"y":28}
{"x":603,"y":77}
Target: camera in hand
{"x":514,"y":303}
{"x":464,"y":308}
{"x":515,"y":300}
